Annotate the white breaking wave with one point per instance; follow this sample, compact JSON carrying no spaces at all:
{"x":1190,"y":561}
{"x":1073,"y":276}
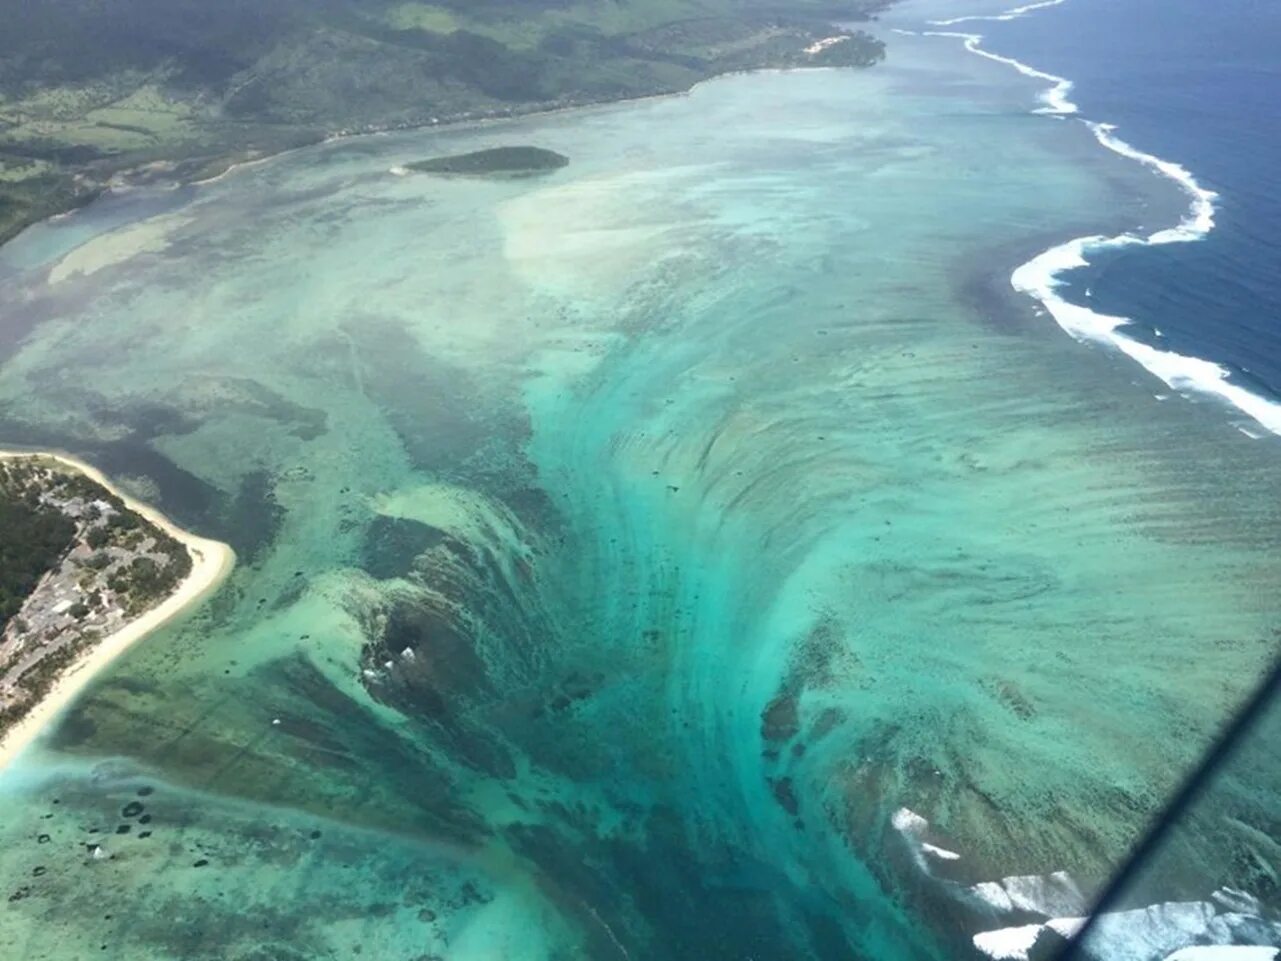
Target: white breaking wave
{"x":1171,"y":931}
{"x":913,"y":829}
{"x":1200,"y":219}
{"x":1224,"y":952}
{"x":1008,"y":944}
{"x":1051,"y":895}
{"x":1007,"y":15}
{"x":1208,"y":930}
{"x":908,"y":821}
{"x":1041,"y":277}
{"x":943,"y":854}
{"x":1055,"y":99}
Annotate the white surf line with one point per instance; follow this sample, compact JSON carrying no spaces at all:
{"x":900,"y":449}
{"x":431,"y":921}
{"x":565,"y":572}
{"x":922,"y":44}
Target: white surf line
{"x":1055,"y":98}
{"x":1007,"y":15}
{"x":1041,"y":277}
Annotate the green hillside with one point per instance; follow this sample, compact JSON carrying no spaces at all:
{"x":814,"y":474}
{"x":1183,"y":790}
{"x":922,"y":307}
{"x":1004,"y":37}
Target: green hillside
{"x":89,"y":88}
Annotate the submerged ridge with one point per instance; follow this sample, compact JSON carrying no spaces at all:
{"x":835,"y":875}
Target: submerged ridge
{"x":640,"y":541}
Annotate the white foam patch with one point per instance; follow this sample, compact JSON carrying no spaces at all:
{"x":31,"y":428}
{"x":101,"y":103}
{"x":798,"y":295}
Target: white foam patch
{"x":1160,"y":932}
{"x":913,"y":827}
{"x":1065,"y":927}
{"x":943,"y":854}
{"x":1040,"y":277}
{"x":994,"y":894}
{"x":908,"y":821}
{"x":1008,"y":944}
{"x":1054,"y":895}
{"x":1224,"y":952}
{"x":1051,"y":895}
{"x":1013,"y":14}
{"x":1152,"y":932}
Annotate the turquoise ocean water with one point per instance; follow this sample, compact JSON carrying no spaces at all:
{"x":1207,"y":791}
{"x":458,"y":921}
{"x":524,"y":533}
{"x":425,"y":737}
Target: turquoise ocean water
{"x":700,"y":552}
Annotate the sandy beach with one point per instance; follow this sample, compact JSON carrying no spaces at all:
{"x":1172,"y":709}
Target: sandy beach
{"x":212,"y":561}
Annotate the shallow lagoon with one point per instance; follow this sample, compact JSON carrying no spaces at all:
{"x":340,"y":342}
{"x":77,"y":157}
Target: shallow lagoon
{"x":622,"y":549}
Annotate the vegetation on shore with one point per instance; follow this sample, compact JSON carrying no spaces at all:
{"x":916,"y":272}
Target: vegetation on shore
{"x":180,"y":89}
{"x":36,"y":536}
{"x":75,"y":564}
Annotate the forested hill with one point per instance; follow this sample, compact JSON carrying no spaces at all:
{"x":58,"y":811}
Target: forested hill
{"x":92,"y":87}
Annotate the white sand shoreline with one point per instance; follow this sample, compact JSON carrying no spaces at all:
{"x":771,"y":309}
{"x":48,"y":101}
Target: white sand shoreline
{"x":212,"y":561}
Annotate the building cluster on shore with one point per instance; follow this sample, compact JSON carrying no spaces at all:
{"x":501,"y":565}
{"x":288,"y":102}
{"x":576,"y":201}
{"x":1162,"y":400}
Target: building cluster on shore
{"x":104,"y":565}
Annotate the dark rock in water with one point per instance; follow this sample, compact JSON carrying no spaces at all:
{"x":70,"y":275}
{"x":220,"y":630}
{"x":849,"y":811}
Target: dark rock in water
{"x":785,"y":794}
{"x":39,"y":870}
{"x":144,"y":834}
{"x":780,"y":721}
{"x":392,"y":544}
{"x":124,"y":828}
{"x":315,"y":835}
{"x":43,"y":839}
{"x":146,"y":791}
{"x":1049,"y":944}
{"x":498,"y":162}
{"x":132,"y":809}
{"x":201,"y":863}
{"x":145,"y":819}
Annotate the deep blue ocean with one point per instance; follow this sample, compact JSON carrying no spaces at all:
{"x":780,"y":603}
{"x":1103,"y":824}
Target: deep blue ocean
{"x":1197,"y":82}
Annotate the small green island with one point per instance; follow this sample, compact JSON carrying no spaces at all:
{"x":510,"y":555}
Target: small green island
{"x":497,"y":162}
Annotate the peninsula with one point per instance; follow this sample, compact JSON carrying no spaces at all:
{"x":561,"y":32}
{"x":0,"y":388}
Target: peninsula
{"x":85,"y":572}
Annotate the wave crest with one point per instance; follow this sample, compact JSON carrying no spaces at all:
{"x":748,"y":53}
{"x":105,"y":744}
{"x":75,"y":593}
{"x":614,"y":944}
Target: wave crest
{"x":1042,"y":277}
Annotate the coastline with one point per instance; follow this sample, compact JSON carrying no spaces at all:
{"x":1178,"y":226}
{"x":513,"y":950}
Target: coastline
{"x":212,"y":561}
{"x":1042,"y":277}
{"x":915,"y":475}
{"x":220,"y":166}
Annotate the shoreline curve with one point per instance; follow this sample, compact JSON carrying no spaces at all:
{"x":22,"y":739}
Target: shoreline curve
{"x":1042,"y":277}
{"x":212,"y":562}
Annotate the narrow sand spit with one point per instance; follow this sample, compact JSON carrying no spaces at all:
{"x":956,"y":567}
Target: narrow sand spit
{"x":212,"y":561}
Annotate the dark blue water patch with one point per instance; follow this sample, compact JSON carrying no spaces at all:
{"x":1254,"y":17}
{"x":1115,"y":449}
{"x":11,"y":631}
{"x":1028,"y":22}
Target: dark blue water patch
{"x":1195,"y":83}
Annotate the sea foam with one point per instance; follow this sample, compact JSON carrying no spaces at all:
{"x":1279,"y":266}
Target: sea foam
{"x":1042,"y":278}
{"x":1007,"y":15}
{"x":1055,"y":98}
